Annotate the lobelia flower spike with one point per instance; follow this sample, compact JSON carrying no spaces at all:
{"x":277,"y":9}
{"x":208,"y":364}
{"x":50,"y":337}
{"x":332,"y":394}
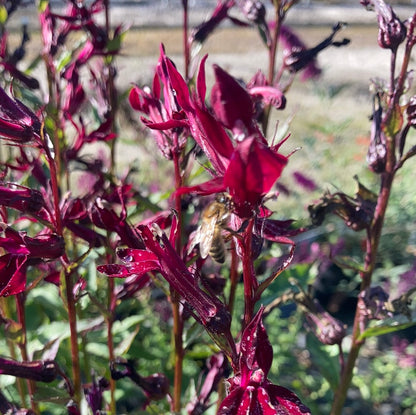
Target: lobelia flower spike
{"x":231,"y":166}
{"x":250,"y":392}
{"x":165,"y":118}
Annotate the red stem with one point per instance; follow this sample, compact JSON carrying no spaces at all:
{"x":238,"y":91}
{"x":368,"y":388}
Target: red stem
{"x":373,"y":235}
{"x":233,"y":277}
{"x":176,"y":307}
{"x":69,"y":285}
{"x":272,"y":60}
{"x":185,"y":38}
{"x":248,"y":274}
{"x":20,"y":306}
{"x":111,"y":283}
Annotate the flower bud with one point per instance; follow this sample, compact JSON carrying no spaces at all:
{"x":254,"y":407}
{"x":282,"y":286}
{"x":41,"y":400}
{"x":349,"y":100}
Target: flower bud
{"x":254,"y":10}
{"x":391,"y":30}
{"x":325,"y":327}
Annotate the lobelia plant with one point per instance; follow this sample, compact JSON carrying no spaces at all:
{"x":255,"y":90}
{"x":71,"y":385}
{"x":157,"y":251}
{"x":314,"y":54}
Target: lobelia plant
{"x":192,"y":258}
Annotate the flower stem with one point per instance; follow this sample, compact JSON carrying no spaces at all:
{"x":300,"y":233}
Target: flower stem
{"x":112,"y":97}
{"x":20,"y":306}
{"x":72,"y":317}
{"x":248,"y":275}
{"x":233,"y":277}
{"x":177,"y":336}
{"x":176,"y":306}
{"x":5,"y":316}
{"x":185,"y":38}
{"x":110,"y":341}
{"x":69,"y":284}
{"x":272,"y":60}
{"x":373,"y":239}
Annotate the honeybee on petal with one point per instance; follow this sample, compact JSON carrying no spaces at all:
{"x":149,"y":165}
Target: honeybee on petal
{"x":209,"y":234}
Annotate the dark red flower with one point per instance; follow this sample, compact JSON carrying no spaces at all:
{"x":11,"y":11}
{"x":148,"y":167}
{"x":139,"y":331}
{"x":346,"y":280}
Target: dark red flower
{"x":38,"y":370}
{"x":17,"y":122}
{"x":155,"y":386}
{"x":160,"y":256}
{"x":217,"y":367}
{"x":208,"y":133}
{"x":7,"y":407}
{"x":46,"y":246}
{"x":160,"y":105}
{"x":105,"y":217}
{"x":293,"y":46}
{"x":9,"y":61}
{"x":94,"y":394}
{"x":13,"y":274}
{"x":231,"y":103}
{"x":253,"y":170}
{"x":298,"y":58}
{"x":21,"y":198}
{"x":304,"y":181}
{"x":234,"y":104}
{"x":250,"y":391}
{"x":21,"y":252}
{"x":220,"y":13}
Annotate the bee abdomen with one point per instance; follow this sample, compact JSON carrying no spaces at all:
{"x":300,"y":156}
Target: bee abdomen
{"x":217,"y":250}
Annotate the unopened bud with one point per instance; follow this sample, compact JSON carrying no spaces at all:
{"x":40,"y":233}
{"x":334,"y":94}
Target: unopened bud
{"x":254,"y":10}
{"x":391,"y":30}
{"x":325,"y":327}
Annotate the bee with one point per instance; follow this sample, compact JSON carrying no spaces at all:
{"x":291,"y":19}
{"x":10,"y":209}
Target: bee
{"x":209,"y":234}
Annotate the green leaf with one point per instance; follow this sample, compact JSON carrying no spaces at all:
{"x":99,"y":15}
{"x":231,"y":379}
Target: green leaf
{"x":395,"y":122}
{"x":115,"y":44}
{"x":64,"y":59}
{"x":124,"y":346}
{"x":3,"y":15}
{"x":42,"y":5}
{"x":48,"y":393}
{"x":321,"y":357}
{"x":14,"y":331}
{"x":385,"y":329}
{"x":124,"y":325}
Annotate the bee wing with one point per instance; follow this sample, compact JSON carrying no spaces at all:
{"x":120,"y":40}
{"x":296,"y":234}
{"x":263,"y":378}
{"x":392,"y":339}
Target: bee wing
{"x":204,"y":236}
